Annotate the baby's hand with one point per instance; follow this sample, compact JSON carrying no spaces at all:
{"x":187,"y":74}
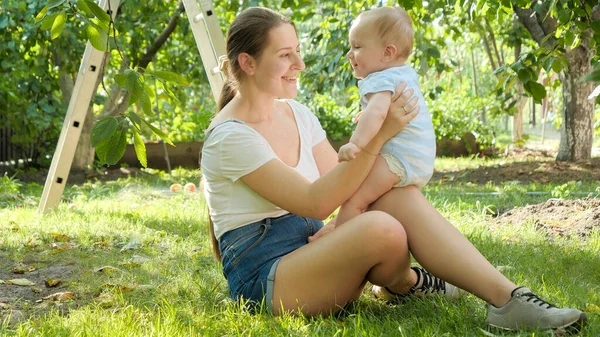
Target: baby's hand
{"x":348,"y":152}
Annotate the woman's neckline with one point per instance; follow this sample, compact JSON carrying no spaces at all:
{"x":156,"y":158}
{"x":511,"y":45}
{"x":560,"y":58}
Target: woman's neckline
{"x":231,"y":119}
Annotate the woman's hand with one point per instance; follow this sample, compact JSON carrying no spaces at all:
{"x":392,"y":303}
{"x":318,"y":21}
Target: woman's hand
{"x":403,"y":109}
{"x":327,"y":228}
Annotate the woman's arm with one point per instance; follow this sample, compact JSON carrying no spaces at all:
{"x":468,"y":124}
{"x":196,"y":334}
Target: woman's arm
{"x":289,"y":190}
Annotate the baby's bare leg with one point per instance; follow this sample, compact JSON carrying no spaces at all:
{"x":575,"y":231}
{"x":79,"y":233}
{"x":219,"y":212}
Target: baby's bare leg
{"x":379,"y":181}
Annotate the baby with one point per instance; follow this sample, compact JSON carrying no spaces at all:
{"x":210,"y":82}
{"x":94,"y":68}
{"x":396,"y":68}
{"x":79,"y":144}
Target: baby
{"x":381,"y":40}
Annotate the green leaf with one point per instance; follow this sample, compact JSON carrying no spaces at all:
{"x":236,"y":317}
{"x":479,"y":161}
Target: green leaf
{"x":140,"y":148}
{"x":536,"y":90}
{"x":524,"y":75}
{"x":137,"y":121}
{"x":159,"y":133}
{"x":121,"y":80}
{"x":98,"y":12}
{"x":557,"y":66}
{"x":594,"y":76}
{"x":171,"y":77}
{"x":41,"y":14}
{"x":58,"y":25}
{"x":82,"y":4}
{"x":145,"y":104}
{"x":169,"y":92}
{"x":54,"y":3}
{"x":569,"y":38}
{"x":117,"y":146}
{"x":48,"y":21}
{"x":103,"y":130}
{"x":134,"y":84}
{"x":98,"y":37}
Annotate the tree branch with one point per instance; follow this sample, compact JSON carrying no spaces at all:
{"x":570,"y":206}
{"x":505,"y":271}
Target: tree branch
{"x":162,"y":38}
{"x":146,"y":59}
{"x":528,"y":18}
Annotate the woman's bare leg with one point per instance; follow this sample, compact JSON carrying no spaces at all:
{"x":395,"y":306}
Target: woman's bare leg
{"x":379,"y":181}
{"x":324,"y":275}
{"x":441,"y":248}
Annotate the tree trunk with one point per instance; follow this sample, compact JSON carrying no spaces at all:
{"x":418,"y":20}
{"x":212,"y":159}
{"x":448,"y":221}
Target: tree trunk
{"x":577,"y":130}
{"x":517,"y":132}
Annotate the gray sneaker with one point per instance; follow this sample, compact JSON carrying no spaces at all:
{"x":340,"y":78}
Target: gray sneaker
{"x":525,"y":310}
{"x":427,"y":285}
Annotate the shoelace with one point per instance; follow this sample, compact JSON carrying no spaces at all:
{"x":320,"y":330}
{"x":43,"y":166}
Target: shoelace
{"x":533,"y":297}
{"x":431,"y":283}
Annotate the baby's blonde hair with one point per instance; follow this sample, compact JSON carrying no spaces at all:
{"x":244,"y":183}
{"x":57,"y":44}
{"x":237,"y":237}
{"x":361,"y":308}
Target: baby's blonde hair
{"x":393,"y":25}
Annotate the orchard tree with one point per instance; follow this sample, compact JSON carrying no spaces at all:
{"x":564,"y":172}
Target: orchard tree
{"x":567,"y":34}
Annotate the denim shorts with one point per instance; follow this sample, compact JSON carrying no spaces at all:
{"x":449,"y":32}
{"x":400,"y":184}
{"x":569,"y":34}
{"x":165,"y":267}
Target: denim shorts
{"x":250,"y":254}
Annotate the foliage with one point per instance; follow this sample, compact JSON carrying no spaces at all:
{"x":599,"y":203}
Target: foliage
{"x":9,"y":190}
{"x":453,"y":114}
{"x":335,"y":119}
{"x":30,"y":97}
{"x":567,"y":25}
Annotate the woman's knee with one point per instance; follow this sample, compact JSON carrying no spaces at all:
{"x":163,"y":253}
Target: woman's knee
{"x":384,"y":231}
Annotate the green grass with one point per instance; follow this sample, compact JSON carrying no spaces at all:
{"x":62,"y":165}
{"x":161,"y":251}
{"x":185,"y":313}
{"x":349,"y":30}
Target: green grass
{"x":177,"y":288}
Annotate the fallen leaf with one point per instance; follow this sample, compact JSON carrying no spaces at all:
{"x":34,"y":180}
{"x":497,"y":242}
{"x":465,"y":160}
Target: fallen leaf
{"x":20,"y":282}
{"x":18,"y":270}
{"x":593,"y":308}
{"x":60,"y":247}
{"x":31,"y":268}
{"x":62,"y":296}
{"x":100,"y":244}
{"x":134,"y":261}
{"x":51,"y":282}
{"x":504,"y":268}
{"x":36,"y":290}
{"x":131,"y":246}
{"x":58,"y":237}
{"x":2,"y":282}
{"x":116,"y":288}
{"x":106,"y":268}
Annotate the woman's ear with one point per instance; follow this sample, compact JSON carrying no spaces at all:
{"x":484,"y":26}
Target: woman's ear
{"x":390,"y":52}
{"x":247,"y":63}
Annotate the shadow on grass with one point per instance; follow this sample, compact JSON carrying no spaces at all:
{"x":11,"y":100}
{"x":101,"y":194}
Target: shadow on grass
{"x":190,"y":283}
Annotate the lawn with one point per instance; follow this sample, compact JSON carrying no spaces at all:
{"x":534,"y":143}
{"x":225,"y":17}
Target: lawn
{"x":134,"y":259}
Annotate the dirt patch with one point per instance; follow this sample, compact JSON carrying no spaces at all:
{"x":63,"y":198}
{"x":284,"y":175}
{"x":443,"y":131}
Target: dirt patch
{"x":557,"y":217}
{"x":532,"y":166}
{"x":17,"y":302}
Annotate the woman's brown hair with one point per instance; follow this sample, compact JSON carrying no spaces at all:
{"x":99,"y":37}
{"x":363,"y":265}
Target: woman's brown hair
{"x":248,"y":34}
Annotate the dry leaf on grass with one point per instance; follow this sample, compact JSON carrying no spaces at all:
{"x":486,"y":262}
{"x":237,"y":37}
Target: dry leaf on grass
{"x":62,"y":296}
{"x":116,"y":288}
{"x":58,"y":237}
{"x":18,"y":270}
{"x":106,"y":269}
{"x":50,"y":283}
{"x":20,"y":282}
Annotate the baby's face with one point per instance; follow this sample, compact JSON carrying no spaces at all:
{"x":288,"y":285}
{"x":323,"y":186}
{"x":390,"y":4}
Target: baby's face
{"x":366,"y":49}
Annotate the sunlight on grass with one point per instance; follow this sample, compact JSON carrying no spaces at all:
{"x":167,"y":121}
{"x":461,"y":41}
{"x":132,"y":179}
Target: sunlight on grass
{"x":163,"y":280}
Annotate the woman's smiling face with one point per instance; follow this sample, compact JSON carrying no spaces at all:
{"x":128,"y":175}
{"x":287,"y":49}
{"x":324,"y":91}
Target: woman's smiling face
{"x":280,"y":63}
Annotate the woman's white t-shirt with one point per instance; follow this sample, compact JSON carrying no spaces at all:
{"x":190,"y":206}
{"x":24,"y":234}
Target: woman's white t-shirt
{"x":233,"y":149}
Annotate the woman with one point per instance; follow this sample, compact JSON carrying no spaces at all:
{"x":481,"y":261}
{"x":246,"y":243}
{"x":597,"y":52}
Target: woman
{"x":270,"y":172}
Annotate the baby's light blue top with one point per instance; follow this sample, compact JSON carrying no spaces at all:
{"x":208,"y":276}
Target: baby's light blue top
{"x":414,"y":146}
